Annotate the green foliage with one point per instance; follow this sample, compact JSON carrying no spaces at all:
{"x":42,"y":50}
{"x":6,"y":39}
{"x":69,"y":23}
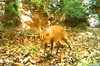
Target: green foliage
{"x":34,"y":49}
{"x":29,"y":49}
{"x":74,"y":8}
{"x":53,"y":8}
{"x":12,"y":11}
{"x":10,"y":22}
{"x":13,"y":7}
{"x":38,"y":2}
{"x":84,"y":62}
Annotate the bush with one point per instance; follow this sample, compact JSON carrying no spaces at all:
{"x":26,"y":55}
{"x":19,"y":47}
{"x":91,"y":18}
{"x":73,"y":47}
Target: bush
{"x":13,"y":7}
{"x":12,"y":12}
{"x":74,"y":8}
{"x":38,"y":2}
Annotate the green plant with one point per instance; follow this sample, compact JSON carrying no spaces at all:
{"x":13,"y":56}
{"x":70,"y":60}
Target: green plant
{"x":74,"y":8}
{"x":53,"y":7}
{"x":29,"y":49}
{"x":12,"y":12}
{"x":83,"y":62}
{"x":38,"y":2}
{"x":13,"y":7}
{"x":34,"y":49}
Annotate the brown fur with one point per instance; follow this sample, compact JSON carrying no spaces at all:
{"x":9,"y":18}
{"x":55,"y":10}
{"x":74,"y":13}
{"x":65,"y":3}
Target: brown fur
{"x":54,"y":34}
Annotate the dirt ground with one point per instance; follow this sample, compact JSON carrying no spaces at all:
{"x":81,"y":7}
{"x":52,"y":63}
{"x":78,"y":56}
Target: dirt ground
{"x":22,"y":48}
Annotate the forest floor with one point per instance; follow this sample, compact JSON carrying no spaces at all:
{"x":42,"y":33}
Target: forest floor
{"x":22,"y":48}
